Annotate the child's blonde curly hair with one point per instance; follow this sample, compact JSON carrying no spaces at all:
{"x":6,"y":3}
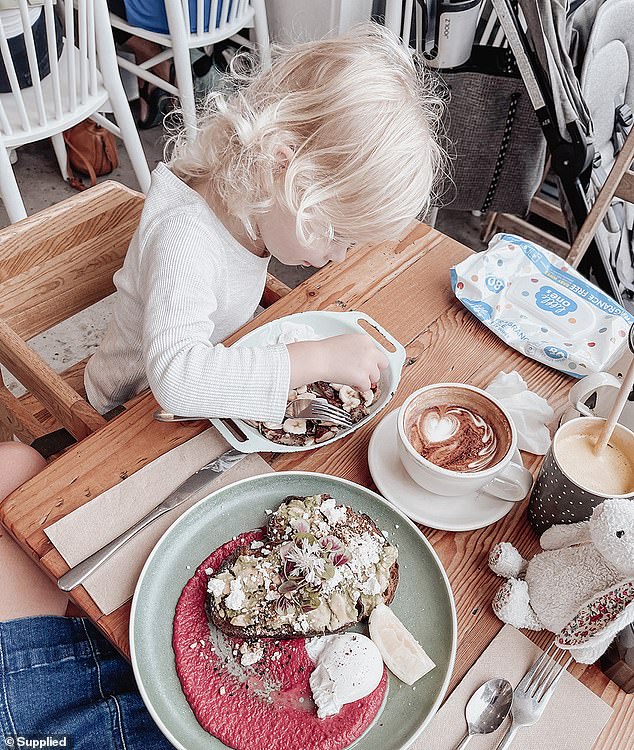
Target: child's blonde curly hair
{"x":360,"y":121}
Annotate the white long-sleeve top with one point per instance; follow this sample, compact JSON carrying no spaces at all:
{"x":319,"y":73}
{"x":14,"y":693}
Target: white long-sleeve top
{"x":185,"y":285}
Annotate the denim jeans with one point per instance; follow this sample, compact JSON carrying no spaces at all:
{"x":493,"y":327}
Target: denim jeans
{"x":17,"y":48}
{"x":60,"y":676}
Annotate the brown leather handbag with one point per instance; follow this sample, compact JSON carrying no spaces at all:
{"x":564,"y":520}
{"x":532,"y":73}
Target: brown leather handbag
{"x":92,"y":150}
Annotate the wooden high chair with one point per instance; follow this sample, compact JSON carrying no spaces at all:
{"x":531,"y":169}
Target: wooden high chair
{"x":52,"y":265}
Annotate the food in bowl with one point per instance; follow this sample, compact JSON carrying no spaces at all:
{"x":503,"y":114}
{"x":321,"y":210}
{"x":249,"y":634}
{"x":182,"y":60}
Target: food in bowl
{"x":306,"y":432}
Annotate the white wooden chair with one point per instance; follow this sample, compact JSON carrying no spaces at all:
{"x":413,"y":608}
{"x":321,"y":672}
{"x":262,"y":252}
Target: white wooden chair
{"x":82,"y":83}
{"x":234,"y":15}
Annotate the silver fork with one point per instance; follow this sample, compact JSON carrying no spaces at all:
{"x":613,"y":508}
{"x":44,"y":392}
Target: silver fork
{"x":302,"y":408}
{"x":320,"y":410}
{"x":535,"y":690}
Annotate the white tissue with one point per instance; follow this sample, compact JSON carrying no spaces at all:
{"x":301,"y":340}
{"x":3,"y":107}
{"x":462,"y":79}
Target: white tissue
{"x":530,"y":413}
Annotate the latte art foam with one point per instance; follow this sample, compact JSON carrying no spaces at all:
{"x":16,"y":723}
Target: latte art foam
{"x":454,"y":437}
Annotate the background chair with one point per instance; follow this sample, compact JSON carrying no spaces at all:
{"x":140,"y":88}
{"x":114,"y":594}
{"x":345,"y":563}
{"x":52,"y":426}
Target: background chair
{"x":53,"y":265}
{"x":83,"y":82}
{"x":186,"y":21}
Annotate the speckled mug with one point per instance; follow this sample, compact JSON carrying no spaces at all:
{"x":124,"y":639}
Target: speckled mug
{"x":557,"y":497}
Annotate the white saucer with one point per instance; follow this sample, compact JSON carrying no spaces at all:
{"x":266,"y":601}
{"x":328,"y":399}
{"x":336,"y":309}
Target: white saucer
{"x":463,"y":513}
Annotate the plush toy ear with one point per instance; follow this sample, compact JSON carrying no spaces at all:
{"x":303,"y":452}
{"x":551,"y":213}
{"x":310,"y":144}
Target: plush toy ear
{"x":565,"y":535}
{"x":599,"y":620}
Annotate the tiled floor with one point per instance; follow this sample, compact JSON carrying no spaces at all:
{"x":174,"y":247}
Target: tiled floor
{"x":42,"y":185}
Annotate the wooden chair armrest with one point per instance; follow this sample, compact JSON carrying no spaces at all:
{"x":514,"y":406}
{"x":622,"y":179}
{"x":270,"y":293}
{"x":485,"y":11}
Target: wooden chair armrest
{"x":65,"y":404}
{"x":17,"y":419}
{"x":273,"y":291}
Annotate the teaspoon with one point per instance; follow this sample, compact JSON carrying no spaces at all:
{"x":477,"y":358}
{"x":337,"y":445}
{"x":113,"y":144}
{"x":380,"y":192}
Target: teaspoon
{"x":487,"y":708}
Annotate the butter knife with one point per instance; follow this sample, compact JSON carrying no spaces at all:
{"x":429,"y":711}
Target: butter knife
{"x":199,"y":479}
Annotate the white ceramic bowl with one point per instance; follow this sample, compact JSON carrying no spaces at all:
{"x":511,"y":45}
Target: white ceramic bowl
{"x":324,"y":323}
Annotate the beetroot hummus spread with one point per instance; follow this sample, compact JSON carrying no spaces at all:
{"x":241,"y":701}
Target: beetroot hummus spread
{"x":266,"y":705}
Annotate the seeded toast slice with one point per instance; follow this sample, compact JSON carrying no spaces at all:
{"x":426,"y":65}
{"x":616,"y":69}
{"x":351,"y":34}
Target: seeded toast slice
{"x":317,"y":606}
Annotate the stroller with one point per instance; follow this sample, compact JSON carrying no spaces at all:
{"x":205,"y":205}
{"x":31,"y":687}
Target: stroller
{"x":575,"y":97}
{"x":577,"y":65}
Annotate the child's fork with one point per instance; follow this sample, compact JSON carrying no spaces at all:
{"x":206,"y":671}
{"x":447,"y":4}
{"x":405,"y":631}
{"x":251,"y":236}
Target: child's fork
{"x":320,"y":410}
{"x":535,"y":690}
{"x":302,"y":408}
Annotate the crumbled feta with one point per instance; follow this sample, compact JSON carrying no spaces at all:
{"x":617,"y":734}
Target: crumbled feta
{"x":333,"y":513}
{"x":256,"y":545}
{"x":236,"y":596}
{"x":250,"y":655}
{"x":364,"y":552}
{"x":330,"y":584}
{"x":222,"y":690}
{"x":215,"y":586}
{"x":302,"y":620}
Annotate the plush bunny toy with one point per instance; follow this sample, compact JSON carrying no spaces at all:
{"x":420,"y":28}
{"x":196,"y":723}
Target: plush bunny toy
{"x":581,"y":587}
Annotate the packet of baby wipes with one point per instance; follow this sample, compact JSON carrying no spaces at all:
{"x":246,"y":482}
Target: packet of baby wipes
{"x":538,"y":304}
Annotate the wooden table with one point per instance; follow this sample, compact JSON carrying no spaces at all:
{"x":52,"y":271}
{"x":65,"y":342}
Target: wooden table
{"x":405,"y":286}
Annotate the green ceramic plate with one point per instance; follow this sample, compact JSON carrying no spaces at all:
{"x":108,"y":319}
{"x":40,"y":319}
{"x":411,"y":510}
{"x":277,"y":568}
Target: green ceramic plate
{"x":423,"y":602}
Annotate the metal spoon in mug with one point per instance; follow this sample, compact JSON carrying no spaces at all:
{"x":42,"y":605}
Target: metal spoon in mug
{"x":487,"y":708}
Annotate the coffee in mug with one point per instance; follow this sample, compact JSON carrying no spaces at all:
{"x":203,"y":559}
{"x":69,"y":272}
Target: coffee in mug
{"x":609,"y":471}
{"x":458,"y":429}
{"x":574,"y":479}
{"x":455,"y":439}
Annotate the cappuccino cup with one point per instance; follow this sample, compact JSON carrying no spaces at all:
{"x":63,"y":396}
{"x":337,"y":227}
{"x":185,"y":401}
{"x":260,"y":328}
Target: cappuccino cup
{"x":455,"y":439}
{"x":573,"y":480}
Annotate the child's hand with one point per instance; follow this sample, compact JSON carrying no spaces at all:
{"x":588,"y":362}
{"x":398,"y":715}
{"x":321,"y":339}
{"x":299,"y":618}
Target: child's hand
{"x":351,"y":359}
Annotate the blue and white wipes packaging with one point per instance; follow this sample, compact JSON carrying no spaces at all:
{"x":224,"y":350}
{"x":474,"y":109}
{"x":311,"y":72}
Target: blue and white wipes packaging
{"x":538,"y":304}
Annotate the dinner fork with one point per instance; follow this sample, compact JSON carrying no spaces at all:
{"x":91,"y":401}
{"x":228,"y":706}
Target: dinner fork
{"x":535,"y":690}
{"x":320,"y":410}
